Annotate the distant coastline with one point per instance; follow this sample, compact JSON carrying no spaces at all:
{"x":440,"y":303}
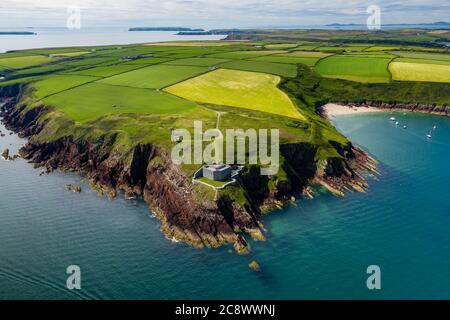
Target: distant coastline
{"x":439,"y":23}
{"x":17,"y":33}
{"x":179,"y":29}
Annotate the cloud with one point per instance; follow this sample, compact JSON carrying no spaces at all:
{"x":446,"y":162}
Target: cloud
{"x":216,"y":13}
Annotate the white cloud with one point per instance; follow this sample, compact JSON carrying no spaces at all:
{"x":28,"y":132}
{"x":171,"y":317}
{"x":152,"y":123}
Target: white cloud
{"x":216,"y":13}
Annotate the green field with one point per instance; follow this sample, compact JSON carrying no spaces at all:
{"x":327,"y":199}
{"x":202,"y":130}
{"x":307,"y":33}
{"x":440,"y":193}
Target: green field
{"x":307,"y":54}
{"x":382,"y":48}
{"x":57,"y":83}
{"x":307,"y":47}
{"x":70,"y":54}
{"x":408,"y":71}
{"x":23,"y":62}
{"x":107,"y":71}
{"x":355,"y":68}
{"x":244,"y":54}
{"x":155,"y":77}
{"x":289,"y":60}
{"x":343,"y":48}
{"x":202,"y":62}
{"x":90,"y":101}
{"x":281,"y":69}
{"x":281,"y":46}
{"x":148,"y":61}
{"x":248,"y":90}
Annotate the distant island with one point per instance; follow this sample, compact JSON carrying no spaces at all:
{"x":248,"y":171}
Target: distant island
{"x":17,"y":33}
{"x":165,"y":29}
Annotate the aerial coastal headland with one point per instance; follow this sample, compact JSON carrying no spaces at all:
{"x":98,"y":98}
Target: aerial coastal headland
{"x":108,"y":113}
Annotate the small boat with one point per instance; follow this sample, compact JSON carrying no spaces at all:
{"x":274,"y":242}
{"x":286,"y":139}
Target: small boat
{"x":397,"y":123}
{"x":404,"y":127}
{"x":429,"y":136}
{"x":393,"y":119}
{"x":434,"y":127}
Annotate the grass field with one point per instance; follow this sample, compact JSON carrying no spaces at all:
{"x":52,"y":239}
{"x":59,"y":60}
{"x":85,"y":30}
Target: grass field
{"x":199,"y":43}
{"x":306,"y":47}
{"x":107,"y":71}
{"x":307,"y":54}
{"x":281,"y":46}
{"x":245,"y":54}
{"x":23,"y":62}
{"x":381,"y":48}
{"x":57,"y":83}
{"x":281,"y":69}
{"x":289,"y":60}
{"x":148,"y":61}
{"x":155,"y":77}
{"x":248,"y":90}
{"x":408,"y":71}
{"x":202,"y":62}
{"x":343,"y":48}
{"x":91,"y":101}
{"x":70,"y":54}
{"x":423,"y":55}
{"x":355,"y":68}
{"x":309,"y":58}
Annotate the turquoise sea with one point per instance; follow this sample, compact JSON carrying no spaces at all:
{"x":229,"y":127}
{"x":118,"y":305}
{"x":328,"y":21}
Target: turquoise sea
{"x":319,"y":249}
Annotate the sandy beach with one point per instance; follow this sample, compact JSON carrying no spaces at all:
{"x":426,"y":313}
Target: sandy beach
{"x":333,"y":109}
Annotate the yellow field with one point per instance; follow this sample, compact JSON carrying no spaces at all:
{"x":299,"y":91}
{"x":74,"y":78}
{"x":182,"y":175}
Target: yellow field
{"x":242,"y":89}
{"x":407,"y":71}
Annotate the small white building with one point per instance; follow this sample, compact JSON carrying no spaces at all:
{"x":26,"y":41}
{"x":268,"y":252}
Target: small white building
{"x":217,"y":172}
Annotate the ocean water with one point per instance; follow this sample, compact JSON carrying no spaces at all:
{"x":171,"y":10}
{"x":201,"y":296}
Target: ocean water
{"x":318,"y":249}
{"x":63,"y":37}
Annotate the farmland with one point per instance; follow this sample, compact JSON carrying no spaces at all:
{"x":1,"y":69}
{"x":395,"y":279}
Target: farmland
{"x":242,"y":89}
{"x":355,"y":68}
{"x":411,"y":71}
{"x":285,"y":70}
{"x":95,"y":100}
{"x":89,"y":83}
{"x":23,"y":62}
{"x":154,"y":77}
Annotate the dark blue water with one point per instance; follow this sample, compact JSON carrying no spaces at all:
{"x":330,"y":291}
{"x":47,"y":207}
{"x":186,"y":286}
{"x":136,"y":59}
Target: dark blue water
{"x":318,"y":249}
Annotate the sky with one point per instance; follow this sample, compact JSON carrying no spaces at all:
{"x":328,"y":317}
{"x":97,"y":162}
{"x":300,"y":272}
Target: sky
{"x":216,"y":13}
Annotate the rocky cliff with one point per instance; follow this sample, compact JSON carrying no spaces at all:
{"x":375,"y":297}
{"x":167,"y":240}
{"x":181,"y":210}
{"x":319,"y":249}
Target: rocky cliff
{"x":149,"y":172}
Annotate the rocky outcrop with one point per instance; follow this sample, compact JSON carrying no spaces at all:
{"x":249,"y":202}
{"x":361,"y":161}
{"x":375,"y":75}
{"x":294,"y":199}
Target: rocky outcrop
{"x":148,"y":171}
{"x":254,"y":265}
{"x":5,"y":154}
{"x":74,"y":188}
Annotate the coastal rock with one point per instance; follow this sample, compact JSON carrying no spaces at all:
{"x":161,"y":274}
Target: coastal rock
{"x":5,"y":154}
{"x":254,"y":265}
{"x":74,"y":188}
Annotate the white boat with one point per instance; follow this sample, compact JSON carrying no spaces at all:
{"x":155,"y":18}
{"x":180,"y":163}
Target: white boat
{"x":404,"y":127}
{"x":397,"y":123}
{"x":393,"y":119}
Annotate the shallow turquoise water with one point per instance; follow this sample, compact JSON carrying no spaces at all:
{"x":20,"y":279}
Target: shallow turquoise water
{"x":318,"y":249}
